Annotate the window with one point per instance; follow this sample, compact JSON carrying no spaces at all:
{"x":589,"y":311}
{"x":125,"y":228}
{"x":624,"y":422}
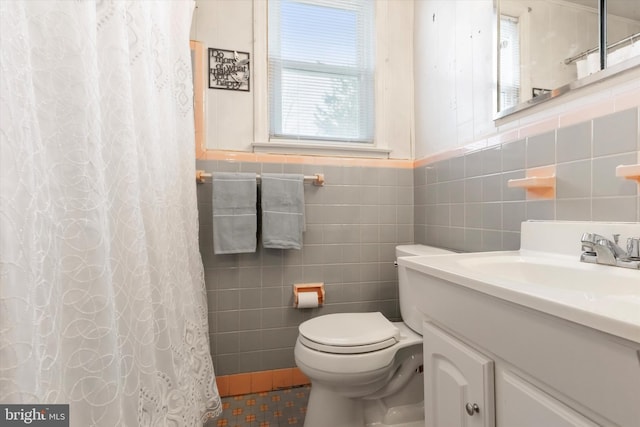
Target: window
{"x":321,"y":70}
{"x":509,"y":62}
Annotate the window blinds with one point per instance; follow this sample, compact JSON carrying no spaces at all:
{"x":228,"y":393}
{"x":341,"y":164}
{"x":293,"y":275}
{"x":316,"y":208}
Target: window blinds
{"x":321,"y":70}
{"x":509,"y":62}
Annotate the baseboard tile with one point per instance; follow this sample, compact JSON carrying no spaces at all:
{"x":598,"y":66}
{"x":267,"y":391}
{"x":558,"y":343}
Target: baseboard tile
{"x":260,"y":381}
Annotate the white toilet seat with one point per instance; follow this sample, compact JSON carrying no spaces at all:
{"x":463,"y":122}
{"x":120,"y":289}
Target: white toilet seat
{"x":349,"y":333}
{"x":368,"y":348}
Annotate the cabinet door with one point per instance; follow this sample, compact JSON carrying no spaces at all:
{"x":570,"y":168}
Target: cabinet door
{"x":457,"y":379}
{"x":524,"y":405}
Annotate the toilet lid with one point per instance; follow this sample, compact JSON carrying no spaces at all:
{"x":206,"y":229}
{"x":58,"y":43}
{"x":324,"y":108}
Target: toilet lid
{"x":349,"y":333}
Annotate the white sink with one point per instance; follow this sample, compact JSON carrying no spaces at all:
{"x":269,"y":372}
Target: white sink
{"x":555,"y":274}
{"x":546,"y":275}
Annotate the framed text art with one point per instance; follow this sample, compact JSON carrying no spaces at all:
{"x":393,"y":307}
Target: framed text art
{"x":228,"y":69}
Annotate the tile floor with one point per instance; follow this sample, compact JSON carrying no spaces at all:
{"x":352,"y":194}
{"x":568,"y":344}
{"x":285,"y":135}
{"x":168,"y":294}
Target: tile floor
{"x":278,"y":408}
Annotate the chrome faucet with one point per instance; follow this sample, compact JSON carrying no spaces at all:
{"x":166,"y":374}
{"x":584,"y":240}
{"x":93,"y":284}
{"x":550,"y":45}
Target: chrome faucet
{"x":601,"y":250}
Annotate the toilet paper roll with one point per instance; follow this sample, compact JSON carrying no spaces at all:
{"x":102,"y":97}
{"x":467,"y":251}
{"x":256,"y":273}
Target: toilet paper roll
{"x":307,"y":299}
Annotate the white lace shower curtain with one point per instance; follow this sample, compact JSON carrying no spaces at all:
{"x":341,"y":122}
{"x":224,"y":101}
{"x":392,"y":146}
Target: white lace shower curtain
{"x":102,"y":298}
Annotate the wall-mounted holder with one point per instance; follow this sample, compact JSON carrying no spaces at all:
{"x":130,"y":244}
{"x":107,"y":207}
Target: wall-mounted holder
{"x":308,"y":295}
{"x":629,"y":172}
{"x":540,"y":183}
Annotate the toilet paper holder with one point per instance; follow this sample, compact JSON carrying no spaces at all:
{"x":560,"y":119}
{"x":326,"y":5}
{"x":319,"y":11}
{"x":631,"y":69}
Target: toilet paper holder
{"x":317,"y":288}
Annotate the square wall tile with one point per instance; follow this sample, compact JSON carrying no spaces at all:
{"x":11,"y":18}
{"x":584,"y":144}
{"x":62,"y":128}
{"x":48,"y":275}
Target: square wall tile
{"x":541,"y":209}
{"x":443,"y":192}
{"x":514,"y":155}
{"x":615,"y":133}
{"x":432,"y":174}
{"x":492,"y":188}
{"x":387,"y":177}
{"x":227,"y":342}
{"x":456,"y":190}
{"x":573,"y":180}
{"x":573,"y":210}
{"x":491,"y":240}
{"x":541,"y":150}
{"x":227,"y":321}
{"x":615,"y":209}
{"x":420,"y":176}
{"x":473,"y":164}
{"x":513,"y":214}
{"x":473,"y":215}
{"x":442,"y":170}
{"x":473,"y":189}
{"x":249,"y":341}
{"x":249,"y":361}
{"x":456,"y":165}
{"x":457,"y":215}
{"x":248,"y":320}
{"x":405,"y":177}
{"x":473,"y":240}
{"x":492,"y":160}
{"x":510,"y":241}
{"x":605,"y":181}
{"x":574,"y":142}
{"x":492,"y":216}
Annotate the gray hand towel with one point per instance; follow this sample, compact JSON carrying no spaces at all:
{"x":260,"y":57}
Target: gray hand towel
{"x":282,"y":210}
{"x":234,"y":212}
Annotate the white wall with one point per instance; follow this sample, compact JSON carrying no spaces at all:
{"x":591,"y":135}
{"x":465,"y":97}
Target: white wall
{"x":455,"y":83}
{"x":226,"y":24}
{"x":229,"y":24}
{"x":453,"y":67}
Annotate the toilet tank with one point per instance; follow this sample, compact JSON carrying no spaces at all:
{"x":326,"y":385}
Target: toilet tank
{"x":410,"y":314}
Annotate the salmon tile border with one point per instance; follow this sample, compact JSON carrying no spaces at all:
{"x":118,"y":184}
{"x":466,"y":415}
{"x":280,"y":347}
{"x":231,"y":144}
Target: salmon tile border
{"x":240,"y":384}
{"x":244,"y":156}
{"x":260,"y":381}
{"x":282,"y":378}
{"x":223,"y":385}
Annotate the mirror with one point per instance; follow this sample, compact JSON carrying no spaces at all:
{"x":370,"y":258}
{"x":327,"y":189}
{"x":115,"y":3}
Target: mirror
{"x":546,"y":47}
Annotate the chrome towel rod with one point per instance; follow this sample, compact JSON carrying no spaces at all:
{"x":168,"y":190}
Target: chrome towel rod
{"x":316,"y":179}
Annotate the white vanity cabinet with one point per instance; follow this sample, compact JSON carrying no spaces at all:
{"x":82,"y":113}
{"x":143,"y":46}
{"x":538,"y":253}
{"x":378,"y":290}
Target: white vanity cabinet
{"x":458,"y":382}
{"x":561,"y":336}
{"x":523,"y":404}
{"x":547,"y":372}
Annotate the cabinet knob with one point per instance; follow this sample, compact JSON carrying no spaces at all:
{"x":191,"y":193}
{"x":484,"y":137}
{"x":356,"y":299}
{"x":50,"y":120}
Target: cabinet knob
{"x":472,"y":408}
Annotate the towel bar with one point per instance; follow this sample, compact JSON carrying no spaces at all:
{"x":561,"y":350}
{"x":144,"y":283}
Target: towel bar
{"x":316,"y":179}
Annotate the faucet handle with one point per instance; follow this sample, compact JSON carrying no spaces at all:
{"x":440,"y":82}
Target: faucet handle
{"x":593,"y":238}
{"x":588,"y":241}
{"x":633,"y":247}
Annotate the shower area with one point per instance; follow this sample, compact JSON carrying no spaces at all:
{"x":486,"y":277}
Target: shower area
{"x":102,"y":297}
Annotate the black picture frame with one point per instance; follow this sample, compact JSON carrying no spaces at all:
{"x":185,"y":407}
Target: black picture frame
{"x":229,"y":70}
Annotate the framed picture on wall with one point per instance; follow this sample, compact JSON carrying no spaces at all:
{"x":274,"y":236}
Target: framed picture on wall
{"x":228,"y":69}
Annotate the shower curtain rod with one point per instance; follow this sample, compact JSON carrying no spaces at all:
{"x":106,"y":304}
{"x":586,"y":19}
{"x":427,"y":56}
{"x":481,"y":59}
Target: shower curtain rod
{"x":315,"y":179}
{"x":631,"y":39}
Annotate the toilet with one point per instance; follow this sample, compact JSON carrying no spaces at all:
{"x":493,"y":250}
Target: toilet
{"x":364,"y":369}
